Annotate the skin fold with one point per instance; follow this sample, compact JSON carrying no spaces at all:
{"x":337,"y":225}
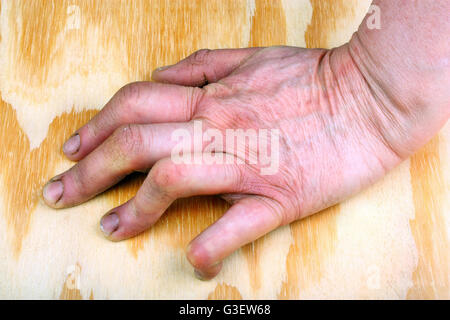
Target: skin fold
{"x":345,"y":117}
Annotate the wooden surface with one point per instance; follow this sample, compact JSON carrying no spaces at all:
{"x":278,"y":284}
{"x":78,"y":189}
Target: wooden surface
{"x":62,"y":60}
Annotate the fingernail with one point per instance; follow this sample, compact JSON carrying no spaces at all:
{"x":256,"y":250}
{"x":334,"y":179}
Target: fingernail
{"x":162,"y":68}
{"x":53,"y":191}
{"x":72,"y":145}
{"x":210,"y":273}
{"x":109,"y":223}
{"x":200,"y":275}
{"x":159,"y":70}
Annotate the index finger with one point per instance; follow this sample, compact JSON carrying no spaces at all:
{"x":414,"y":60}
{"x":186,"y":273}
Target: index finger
{"x":135,"y":103}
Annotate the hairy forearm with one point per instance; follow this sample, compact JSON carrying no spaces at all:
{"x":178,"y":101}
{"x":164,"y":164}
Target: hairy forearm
{"x":406,"y":63}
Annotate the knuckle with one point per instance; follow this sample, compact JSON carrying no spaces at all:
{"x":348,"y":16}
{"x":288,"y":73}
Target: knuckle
{"x":128,"y":97}
{"x":200,"y":57}
{"x":82,"y":181}
{"x":129,"y":140}
{"x":167,"y":177}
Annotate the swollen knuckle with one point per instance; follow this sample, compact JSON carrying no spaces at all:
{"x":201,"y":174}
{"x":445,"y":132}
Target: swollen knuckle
{"x":200,"y":57}
{"x":128,"y":96}
{"x":167,"y":177}
{"x":129,"y":140}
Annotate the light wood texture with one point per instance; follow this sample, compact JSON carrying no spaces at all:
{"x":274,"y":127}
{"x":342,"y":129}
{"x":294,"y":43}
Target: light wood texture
{"x":62,"y":60}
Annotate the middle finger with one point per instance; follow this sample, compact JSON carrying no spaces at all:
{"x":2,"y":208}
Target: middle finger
{"x":130,"y":148}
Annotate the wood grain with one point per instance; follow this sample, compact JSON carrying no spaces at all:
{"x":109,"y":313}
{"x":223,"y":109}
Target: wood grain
{"x":62,"y":60}
{"x":432,"y":276}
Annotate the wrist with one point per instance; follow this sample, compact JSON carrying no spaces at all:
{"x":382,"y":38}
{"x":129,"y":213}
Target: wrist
{"x":411,"y":104}
{"x":406,"y":66}
{"x":363,"y":101}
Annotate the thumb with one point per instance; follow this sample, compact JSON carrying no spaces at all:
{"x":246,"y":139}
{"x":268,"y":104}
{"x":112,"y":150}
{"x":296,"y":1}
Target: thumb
{"x":203,"y":67}
{"x":246,"y":221}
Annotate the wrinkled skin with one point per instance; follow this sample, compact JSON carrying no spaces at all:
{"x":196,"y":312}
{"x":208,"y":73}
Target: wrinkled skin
{"x":329,"y":149}
{"x":340,"y":130}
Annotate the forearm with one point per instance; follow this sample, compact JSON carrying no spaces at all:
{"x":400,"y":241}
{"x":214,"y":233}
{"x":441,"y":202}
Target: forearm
{"x":406,"y":63}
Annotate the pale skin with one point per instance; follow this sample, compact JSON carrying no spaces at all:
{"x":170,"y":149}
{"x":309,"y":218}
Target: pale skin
{"x":346,"y":117}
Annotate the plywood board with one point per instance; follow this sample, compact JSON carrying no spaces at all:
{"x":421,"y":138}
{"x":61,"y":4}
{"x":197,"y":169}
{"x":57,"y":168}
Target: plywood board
{"x":62,"y":60}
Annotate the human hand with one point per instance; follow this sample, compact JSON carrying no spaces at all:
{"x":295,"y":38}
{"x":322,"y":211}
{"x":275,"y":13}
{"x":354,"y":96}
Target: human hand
{"x":331,"y":143}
